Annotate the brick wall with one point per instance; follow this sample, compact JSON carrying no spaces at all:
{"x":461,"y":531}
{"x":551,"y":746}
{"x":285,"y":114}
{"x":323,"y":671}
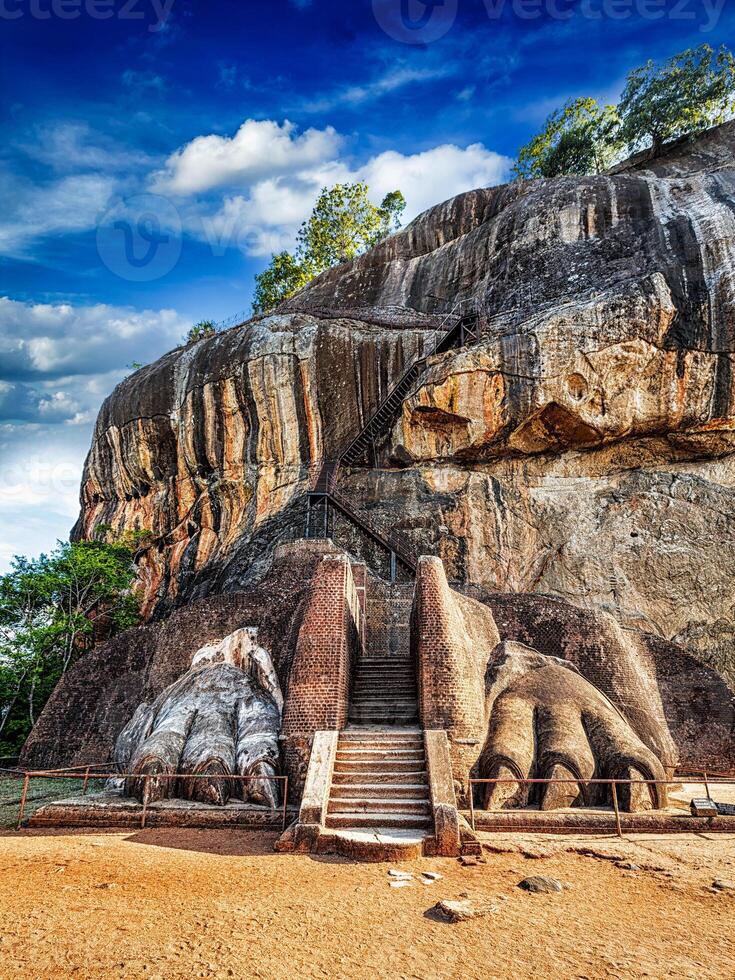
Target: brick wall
{"x":329,"y":642}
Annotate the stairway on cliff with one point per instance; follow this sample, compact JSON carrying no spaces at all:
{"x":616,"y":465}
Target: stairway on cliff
{"x":380,"y":779}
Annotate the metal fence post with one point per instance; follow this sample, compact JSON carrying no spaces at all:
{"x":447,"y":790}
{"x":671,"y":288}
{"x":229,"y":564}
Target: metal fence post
{"x":706,"y":786}
{"x":285,"y":802}
{"x":86,"y":781}
{"x":472,"y":805}
{"x":617,"y":811}
{"x":146,"y":781}
{"x":23,"y":797}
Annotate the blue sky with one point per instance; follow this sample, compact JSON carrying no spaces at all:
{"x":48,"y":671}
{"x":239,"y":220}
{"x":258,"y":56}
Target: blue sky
{"x":155,"y":152}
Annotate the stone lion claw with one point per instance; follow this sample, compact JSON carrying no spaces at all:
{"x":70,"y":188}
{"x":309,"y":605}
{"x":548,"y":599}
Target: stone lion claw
{"x":213,"y":734}
{"x":546,"y":721}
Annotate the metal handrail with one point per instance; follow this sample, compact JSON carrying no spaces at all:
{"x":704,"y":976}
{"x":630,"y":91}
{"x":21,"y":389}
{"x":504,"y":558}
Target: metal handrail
{"x":146,"y":777}
{"x":614,"y":783}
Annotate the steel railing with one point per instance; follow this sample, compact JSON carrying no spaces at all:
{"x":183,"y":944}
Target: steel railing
{"x":582,"y":783}
{"x":89,"y":772}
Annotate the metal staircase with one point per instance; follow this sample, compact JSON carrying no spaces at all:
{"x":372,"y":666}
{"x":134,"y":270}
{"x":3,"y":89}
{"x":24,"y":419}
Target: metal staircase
{"x":467,"y":329}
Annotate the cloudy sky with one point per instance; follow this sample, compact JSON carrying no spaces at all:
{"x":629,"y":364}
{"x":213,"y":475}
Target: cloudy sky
{"x":155,"y":153}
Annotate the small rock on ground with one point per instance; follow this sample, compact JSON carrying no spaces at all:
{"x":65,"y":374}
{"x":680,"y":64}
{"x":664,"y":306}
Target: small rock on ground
{"x":723,"y":885}
{"x":461,"y":910}
{"x":539,"y":884}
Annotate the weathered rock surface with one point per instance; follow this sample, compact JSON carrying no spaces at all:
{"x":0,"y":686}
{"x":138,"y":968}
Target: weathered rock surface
{"x":581,"y":454}
{"x":211,"y":447}
{"x":583,"y":449}
{"x":217,"y":725}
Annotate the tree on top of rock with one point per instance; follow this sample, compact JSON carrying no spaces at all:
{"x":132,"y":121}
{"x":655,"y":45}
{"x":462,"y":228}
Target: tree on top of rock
{"x":692,"y":91}
{"x":343,"y":224}
{"x":577,"y":139}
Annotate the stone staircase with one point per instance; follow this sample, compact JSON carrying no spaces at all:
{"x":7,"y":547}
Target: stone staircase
{"x":384,"y":692}
{"x":380,"y":781}
{"x":380,"y":778}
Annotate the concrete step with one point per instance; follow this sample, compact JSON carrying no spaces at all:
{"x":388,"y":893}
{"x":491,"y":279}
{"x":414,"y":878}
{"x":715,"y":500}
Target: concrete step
{"x":411,"y":791}
{"x":361,"y":776}
{"x":407,"y":821}
{"x":362,"y":804}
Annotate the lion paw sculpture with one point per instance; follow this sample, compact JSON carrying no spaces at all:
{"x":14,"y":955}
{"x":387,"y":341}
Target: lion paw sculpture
{"x":219,"y":720}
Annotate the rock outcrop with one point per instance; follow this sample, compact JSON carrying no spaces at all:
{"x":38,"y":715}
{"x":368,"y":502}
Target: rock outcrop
{"x":577,"y":461}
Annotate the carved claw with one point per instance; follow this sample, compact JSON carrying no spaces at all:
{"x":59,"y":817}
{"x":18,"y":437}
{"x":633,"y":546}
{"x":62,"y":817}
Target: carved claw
{"x":262,"y":791}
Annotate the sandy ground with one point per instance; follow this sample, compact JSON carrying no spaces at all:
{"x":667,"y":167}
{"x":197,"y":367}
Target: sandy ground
{"x":184,"y":903}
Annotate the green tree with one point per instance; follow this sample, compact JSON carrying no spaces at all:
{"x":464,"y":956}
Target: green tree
{"x":52,"y":609}
{"x":343,"y":224}
{"x":579,"y":138}
{"x":200,"y":331}
{"x":689,"y":93}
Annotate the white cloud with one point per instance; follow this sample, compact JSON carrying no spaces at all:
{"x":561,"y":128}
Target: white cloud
{"x":390,"y":81}
{"x":435,"y":175}
{"x":39,"y":486}
{"x":258,"y":150}
{"x":43,"y":341}
{"x":57,"y":364}
{"x":67,"y":205}
{"x":267,"y":218}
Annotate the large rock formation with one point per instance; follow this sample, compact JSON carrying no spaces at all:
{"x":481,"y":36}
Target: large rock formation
{"x":582,"y":453}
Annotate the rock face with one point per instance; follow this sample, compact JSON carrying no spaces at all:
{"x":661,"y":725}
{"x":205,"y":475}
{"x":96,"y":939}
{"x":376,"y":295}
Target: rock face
{"x":211,"y":447}
{"x":578,"y":461}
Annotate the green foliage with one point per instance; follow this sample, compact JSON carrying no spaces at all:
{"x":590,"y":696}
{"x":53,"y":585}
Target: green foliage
{"x":692,"y":91}
{"x":689,"y":93}
{"x":200,"y":331}
{"x":51,"y":610}
{"x":284,"y":276}
{"x":343,"y":224}
{"x":577,"y":139}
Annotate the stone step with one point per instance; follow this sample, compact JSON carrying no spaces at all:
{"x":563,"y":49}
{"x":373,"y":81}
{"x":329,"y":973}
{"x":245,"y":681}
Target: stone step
{"x":383,"y":717}
{"x":384,"y":691}
{"x":404,"y":820}
{"x":359,"y":790}
{"x":363,"y":776}
{"x":383,"y":755}
{"x":409,"y":732}
{"x":362,"y":804}
{"x":377,"y":672}
{"x":387,"y":663}
{"x":378,"y":765}
{"x":383,"y":744}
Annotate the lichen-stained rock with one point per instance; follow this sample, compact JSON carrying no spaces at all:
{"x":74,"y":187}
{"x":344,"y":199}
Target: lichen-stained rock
{"x":585,"y":448}
{"x":210,"y":447}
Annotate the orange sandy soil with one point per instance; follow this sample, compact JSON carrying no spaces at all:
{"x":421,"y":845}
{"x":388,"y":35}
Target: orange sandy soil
{"x":188,"y":903}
